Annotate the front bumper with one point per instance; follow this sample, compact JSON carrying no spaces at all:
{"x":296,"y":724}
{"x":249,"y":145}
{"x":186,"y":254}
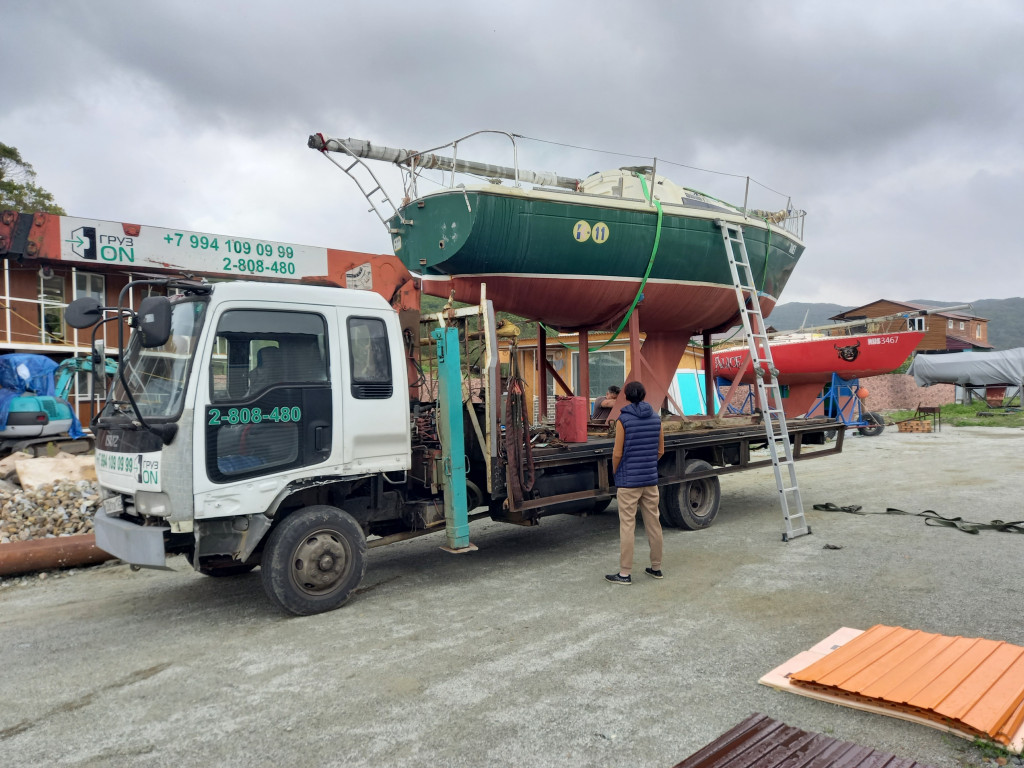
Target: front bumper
{"x":141,"y":545}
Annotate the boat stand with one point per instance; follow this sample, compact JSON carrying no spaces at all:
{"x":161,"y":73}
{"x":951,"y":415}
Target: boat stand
{"x":839,"y":401}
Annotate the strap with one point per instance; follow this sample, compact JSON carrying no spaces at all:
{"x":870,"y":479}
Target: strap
{"x":933,"y":518}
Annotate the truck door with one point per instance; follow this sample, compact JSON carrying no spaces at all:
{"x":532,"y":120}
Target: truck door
{"x":269,"y":396}
{"x":375,"y":393}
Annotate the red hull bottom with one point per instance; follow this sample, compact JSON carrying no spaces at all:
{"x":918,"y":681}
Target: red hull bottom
{"x":576,"y":303}
{"x":669,"y":313}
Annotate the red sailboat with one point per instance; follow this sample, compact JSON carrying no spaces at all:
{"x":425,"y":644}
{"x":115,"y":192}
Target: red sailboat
{"x":806,"y":362}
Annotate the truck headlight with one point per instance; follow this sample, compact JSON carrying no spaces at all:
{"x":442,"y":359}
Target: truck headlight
{"x":152,"y":504}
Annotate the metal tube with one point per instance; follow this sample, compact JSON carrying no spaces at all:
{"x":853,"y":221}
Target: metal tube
{"x":430,"y":161}
{"x":20,"y":557}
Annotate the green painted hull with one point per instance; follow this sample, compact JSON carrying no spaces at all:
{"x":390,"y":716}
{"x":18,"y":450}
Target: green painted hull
{"x":577,"y":260}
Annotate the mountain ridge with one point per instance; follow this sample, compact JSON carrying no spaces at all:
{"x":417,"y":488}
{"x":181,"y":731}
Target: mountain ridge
{"x":1005,"y":316}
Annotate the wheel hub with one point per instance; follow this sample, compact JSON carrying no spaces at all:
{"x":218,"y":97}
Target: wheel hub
{"x":320,"y":563}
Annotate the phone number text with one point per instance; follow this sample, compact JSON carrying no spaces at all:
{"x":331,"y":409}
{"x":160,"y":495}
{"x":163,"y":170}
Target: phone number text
{"x":253,"y":415}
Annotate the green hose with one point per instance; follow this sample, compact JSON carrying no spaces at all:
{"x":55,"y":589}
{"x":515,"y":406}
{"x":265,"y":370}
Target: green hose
{"x":647,"y":274}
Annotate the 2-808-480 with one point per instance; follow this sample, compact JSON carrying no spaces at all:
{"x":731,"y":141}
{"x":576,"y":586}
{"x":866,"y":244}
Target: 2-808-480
{"x":284,"y":414}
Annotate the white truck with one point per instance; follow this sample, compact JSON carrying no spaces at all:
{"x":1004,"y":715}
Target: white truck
{"x":275,"y":425}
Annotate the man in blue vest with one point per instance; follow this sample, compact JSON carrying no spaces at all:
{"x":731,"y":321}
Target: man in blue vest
{"x":639,"y":443}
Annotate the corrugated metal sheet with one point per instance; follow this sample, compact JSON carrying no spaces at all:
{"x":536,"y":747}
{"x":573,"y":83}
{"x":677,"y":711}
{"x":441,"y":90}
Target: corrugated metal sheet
{"x":972,"y":684}
{"x":762,"y":742}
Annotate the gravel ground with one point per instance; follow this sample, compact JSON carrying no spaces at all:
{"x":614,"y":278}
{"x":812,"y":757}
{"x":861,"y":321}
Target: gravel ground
{"x":520,"y":654}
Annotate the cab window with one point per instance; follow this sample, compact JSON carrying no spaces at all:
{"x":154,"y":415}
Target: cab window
{"x":369,"y":358}
{"x":270,"y":400}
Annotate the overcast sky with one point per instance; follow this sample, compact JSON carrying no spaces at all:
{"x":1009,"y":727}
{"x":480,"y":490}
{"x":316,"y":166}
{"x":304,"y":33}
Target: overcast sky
{"x":898,"y":126}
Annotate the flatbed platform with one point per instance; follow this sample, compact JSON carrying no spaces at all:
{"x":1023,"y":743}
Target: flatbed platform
{"x":700,"y":451}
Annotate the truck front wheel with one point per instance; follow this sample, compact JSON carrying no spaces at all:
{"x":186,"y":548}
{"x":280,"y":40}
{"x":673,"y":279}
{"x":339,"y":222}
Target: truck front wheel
{"x":692,"y":505}
{"x":313,"y":560}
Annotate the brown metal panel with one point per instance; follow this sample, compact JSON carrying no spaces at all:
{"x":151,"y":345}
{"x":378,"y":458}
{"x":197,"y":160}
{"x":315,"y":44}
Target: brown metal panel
{"x":760,"y":742}
{"x":973,"y":684}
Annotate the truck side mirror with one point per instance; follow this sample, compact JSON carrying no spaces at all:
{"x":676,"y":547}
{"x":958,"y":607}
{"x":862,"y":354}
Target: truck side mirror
{"x":154,"y":321}
{"x":83,"y":313}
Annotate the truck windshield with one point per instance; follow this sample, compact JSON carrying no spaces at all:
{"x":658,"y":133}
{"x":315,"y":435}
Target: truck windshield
{"x":157,"y":376}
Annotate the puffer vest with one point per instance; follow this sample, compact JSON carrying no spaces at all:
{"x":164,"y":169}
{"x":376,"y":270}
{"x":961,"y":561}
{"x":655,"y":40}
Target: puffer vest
{"x":639,"y":465}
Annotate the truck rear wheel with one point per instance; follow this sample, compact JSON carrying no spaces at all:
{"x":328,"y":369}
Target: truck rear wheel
{"x":313,"y":560}
{"x":692,"y":505}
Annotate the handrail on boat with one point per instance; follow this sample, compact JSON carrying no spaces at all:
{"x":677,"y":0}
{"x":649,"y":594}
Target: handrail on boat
{"x":411,"y":162}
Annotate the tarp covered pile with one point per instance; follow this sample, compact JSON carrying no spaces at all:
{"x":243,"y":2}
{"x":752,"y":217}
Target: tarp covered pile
{"x":978,"y":369}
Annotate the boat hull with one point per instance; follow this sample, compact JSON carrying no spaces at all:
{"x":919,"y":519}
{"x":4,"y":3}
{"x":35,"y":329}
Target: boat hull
{"x":577,"y":261}
{"x":806,"y":366}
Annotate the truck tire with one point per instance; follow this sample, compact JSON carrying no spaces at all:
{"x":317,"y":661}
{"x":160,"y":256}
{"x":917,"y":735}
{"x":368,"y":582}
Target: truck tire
{"x":313,"y":560}
{"x":668,"y":519}
{"x":878,"y":424}
{"x":692,"y":505}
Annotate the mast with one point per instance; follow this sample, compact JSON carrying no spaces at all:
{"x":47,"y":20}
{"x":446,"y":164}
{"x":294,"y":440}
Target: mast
{"x":414,"y":160}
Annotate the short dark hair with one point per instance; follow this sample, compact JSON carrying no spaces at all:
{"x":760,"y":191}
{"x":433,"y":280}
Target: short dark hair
{"x":613,"y":389}
{"x":635,"y":392}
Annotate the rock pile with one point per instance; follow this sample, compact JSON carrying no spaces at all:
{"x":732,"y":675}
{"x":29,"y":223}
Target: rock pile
{"x":62,"y":508}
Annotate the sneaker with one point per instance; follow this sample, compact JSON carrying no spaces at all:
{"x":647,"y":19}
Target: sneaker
{"x":615,"y":578}
{"x":654,"y":573}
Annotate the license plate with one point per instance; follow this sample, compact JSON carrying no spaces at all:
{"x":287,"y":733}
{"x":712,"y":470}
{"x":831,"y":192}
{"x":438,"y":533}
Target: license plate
{"x":113,"y":505}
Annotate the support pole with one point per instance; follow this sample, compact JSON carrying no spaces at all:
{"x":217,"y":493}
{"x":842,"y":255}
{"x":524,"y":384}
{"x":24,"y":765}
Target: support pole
{"x":542,"y":369}
{"x":636,"y":370}
{"x":453,"y":447}
{"x":709,"y":374}
{"x":583,"y":363}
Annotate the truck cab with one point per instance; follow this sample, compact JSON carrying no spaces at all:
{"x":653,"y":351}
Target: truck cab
{"x":263,"y":401}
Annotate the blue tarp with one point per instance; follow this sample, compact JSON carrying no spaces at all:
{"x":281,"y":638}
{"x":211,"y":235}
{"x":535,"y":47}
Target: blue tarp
{"x":32,"y":373}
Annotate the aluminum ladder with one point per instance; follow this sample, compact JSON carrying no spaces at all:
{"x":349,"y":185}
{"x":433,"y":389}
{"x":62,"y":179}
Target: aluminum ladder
{"x":768,"y":394}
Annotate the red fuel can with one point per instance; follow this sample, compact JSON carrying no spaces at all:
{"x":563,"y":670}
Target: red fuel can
{"x":571,"y":416}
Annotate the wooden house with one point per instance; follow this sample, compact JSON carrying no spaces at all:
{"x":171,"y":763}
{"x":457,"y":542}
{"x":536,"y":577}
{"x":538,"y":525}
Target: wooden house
{"x":943,"y":331}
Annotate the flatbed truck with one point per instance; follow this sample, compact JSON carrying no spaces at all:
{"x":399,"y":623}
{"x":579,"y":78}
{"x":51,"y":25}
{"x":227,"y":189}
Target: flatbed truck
{"x":254,"y":426}
{"x":293,"y":427}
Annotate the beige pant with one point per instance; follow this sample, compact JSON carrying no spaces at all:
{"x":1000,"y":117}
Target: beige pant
{"x":647,"y":499}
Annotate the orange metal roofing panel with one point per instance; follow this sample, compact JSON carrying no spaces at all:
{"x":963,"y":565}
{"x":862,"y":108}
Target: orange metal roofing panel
{"x":760,"y":742}
{"x":972,"y":683}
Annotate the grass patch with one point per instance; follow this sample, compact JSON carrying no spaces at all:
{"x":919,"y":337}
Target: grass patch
{"x":991,"y":750}
{"x":967,"y":415}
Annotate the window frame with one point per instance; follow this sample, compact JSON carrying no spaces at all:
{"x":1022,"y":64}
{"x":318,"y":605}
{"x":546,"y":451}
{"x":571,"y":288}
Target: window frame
{"x":601,"y":391}
{"x":57,"y":306}
{"x":100,"y":295}
{"x":361,"y":388}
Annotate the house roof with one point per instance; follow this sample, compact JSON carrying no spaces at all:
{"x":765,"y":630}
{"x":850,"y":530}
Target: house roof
{"x":956,"y":342}
{"x":910,"y":306}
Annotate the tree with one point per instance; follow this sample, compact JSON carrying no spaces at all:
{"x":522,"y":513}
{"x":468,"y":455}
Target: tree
{"x":18,"y":188}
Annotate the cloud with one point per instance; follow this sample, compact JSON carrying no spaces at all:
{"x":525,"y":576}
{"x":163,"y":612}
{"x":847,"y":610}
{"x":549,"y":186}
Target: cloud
{"x":896,"y":126}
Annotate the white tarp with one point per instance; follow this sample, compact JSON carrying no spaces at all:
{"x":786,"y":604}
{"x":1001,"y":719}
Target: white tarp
{"x":979,"y":369}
